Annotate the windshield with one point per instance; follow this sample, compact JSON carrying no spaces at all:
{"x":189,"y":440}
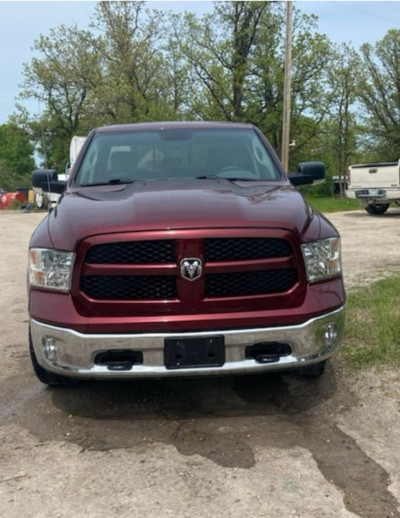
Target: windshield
{"x":169,"y":154}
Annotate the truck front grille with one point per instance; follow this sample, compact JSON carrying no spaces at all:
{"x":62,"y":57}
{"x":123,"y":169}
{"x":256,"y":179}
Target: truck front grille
{"x":149,"y":270}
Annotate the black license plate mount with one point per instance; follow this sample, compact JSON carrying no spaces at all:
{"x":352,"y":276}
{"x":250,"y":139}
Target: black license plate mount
{"x":194,"y":352}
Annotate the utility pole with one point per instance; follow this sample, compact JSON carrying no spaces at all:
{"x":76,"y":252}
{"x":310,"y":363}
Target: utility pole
{"x":287,"y":87}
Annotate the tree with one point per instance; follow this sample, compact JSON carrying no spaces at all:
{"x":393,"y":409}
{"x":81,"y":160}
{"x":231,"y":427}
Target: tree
{"x":61,"y":80}
{"x":134,"y":85}
{"x":16,"y":151}
{"x":136,"y":64}
{"x":340,"y":129}
{"x":312,"y":58}
{"x":83,"y":79}
{"x":218,"y":48}
{"x":379,"y":91}
{"x":236,"y":59}
{"x":16,"y":156}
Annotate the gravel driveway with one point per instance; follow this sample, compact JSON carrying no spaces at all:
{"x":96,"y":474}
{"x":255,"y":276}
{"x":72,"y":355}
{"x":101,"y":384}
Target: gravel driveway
{"x":260,"y":446}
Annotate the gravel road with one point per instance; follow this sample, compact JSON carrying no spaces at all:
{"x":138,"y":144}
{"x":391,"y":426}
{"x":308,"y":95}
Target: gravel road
{"x":260,"y":446}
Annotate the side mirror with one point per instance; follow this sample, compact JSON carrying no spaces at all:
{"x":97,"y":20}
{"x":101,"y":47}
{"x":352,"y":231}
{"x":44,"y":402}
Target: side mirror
{"x":308,"y":172}
{"x":47,"y":180}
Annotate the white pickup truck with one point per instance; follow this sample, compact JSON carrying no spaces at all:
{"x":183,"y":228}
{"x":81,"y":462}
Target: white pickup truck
{"x":375,"y":186}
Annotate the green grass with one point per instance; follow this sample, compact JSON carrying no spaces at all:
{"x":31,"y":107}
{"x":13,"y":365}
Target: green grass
{"x":372,"y":331}
{"x":332,"y":203}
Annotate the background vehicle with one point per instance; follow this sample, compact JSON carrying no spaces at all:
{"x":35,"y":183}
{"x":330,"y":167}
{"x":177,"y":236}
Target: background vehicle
{"x":7,"y":199}
{"x":182,"y":249}
{"x":374,"y":185}
{"x":44,"y":198}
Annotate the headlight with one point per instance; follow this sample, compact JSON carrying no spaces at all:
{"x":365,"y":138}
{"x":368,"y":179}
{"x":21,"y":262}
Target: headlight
{"x":51,"y":269}
{"x":322,"y":258}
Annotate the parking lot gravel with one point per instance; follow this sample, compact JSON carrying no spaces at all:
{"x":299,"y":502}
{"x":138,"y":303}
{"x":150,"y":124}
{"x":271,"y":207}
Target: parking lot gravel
{"x":260,"y":446}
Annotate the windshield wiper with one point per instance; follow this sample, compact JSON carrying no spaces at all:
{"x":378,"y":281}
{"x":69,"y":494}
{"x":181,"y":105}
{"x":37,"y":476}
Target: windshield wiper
{"x":113,"y":181}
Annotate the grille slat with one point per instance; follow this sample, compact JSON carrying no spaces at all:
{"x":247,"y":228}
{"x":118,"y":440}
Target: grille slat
{"x":133,"y":252}
{"x":120,"y":287}
{"x":242,"y":249}
{"x":250,"y":283}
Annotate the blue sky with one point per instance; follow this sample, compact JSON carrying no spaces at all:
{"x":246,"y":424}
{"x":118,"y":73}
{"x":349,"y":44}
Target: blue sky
{"x":21,"y":23}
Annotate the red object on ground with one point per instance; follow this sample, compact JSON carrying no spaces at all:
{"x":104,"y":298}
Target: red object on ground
{"x":8,"y":198}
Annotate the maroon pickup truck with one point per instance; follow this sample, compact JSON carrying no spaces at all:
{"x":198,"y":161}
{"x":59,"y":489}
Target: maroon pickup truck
{"x":182,"y":249}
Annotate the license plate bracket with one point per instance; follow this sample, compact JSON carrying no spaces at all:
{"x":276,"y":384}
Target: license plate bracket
{"x":370,"y":193}
{"x":194,"y":352}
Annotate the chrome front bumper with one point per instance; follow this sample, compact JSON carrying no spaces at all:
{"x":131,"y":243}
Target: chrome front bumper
{"x":66,"y":352}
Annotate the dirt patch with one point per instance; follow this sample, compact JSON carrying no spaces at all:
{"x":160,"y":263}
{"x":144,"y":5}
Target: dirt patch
{"x":254,"y":446}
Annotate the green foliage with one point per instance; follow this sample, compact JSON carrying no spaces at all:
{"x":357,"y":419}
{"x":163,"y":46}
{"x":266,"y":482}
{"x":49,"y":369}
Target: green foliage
{"x":9,"y":181}
{"x":330,"y":203}
{"x":372,"y":333}
{"x":16,"y":156}
{"x":138,"y":64}
{"x":134,"y":84}
{"x":61,"y":81}
{"x":379,"y":91}
{"x":236,"y":59}
{"x":16,"y":151}
{"x":16,"y":205}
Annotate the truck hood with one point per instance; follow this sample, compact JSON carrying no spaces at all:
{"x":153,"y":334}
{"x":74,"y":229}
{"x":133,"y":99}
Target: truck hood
{"x":168,"y":205}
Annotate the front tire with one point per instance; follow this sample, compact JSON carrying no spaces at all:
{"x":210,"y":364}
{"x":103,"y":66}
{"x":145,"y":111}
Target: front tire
{"x":47,"y":377}
{"x":377,"y":209}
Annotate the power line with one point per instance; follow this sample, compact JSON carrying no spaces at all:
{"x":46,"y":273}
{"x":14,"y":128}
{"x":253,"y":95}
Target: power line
{"x":351,"y":8}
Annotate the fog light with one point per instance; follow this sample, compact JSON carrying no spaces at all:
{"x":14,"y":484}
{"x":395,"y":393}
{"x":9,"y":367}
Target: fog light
{"x":50,"y":348}
{"x":331,"y":335}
